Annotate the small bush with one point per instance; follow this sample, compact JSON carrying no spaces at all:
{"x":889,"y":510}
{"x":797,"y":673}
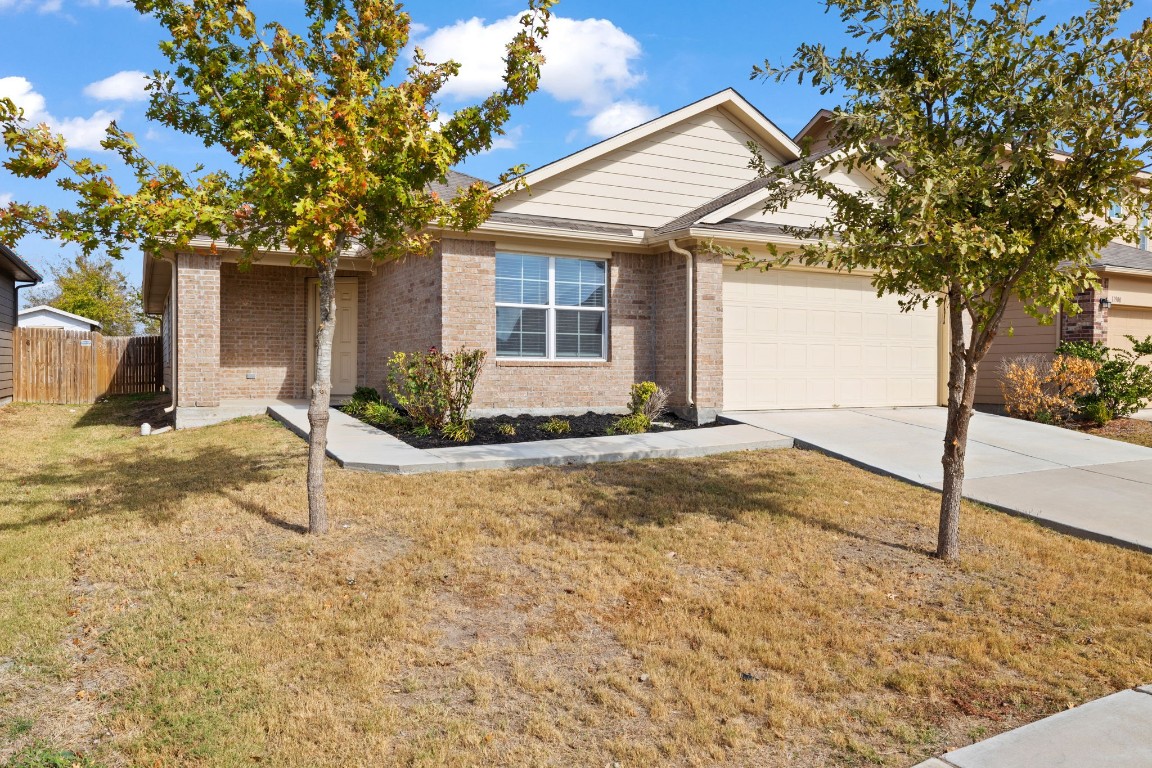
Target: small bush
{"x":366,"y":395}
{"x":1046,"y":391}
{"x":648,"y":400}
{"x":382,"y":413}
{"x":555,"y":426}
{"x":1123,"y":383}
{"x":435,"y":388}
{"x":461,"y":432}
{"x":361,"y":398}
{"x":1096,"y":411}
{"x":632,"y":424}
{"x":506,"y":428}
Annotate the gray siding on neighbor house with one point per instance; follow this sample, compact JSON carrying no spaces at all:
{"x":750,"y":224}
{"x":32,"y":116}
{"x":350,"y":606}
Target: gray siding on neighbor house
{"x":7,"y":323}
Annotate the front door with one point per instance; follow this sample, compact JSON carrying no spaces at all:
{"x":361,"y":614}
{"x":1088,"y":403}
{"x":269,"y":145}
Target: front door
{"x":344,"y":340}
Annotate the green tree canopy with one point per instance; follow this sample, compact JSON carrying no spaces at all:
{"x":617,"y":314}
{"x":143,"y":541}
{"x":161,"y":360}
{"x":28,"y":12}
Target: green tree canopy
{"x":335,"y":145}
{"x":1005,"y":140}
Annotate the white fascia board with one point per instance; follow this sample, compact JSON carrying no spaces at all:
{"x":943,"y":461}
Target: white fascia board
{"x":637,"y":238}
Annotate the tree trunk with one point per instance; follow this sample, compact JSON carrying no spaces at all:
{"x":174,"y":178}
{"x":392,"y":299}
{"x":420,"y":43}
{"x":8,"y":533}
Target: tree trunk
{"x":321,"y":398}
{"x":961,"y":395}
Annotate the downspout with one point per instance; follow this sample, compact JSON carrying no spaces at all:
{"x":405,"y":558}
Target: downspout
{"x":689,"y":312}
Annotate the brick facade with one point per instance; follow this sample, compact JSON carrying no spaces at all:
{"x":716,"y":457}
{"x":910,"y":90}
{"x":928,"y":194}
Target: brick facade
{"x":401,"y":313}
{"x":198,"y":330}
{"x":234,"y":323}
{"x":264,"y":328}
{"x":1092,"y":322}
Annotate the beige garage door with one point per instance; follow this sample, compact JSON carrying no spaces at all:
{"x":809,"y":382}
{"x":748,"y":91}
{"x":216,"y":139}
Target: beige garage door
{"x":795,"y":339}
{"x":1128,"y":321}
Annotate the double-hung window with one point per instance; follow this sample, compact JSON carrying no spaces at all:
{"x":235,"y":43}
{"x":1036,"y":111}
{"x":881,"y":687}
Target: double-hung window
{"x":550,"y":307}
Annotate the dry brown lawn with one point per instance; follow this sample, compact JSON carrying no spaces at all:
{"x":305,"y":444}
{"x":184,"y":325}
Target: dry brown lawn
{"x":160,"y":607}
{"x":1129,"y":430}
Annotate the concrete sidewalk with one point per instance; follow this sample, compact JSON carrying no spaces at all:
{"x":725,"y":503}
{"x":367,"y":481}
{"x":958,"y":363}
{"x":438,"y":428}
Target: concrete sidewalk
{"x":1112,"y":732}
{"x":1086,"y":485}
{"x":356,"y":445}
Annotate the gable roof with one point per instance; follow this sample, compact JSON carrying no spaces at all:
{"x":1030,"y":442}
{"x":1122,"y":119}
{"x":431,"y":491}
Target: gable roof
{"x":452,"y":182}
{"x":1121,"y":256}
{"x":60,"y":312}
{"x":762,"y":128}
{"x":17,"y":267}
{"x":736,"y":197}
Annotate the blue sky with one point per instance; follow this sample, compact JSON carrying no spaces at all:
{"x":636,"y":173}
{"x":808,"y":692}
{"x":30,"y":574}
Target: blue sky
{"x":613,"y":64}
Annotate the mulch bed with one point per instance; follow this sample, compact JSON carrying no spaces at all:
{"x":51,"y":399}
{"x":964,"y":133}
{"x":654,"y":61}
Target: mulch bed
{"x":528,"y":429}
{"x":1129,"y":430}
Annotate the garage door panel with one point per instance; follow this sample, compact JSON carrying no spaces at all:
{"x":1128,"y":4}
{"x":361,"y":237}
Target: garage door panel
{"x":764,"y":320}
{"x":797,"y":339}
{"x":1128,"y":321}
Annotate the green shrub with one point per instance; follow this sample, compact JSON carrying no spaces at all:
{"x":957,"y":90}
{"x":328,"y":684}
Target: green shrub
{"x":361,"y":398}
{"x":382,"y":413}
{"x":556,"y":426}
{"x":460,"y":432}
{"x":632,"y":424}
{"x":366,"y":395}
{"x":648,"y":400}
{"x":1123,"y":383}
{"x":506,"y":428}
{"x":1096,"y":411}
{"x":435,"y":388}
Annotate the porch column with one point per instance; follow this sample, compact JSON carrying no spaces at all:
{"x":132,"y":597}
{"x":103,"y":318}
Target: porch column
{"x":198,"y":330}
{"x":708,"y":344}
{"x":1092,"y":323}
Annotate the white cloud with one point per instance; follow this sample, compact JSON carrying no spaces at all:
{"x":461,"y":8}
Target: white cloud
{"x":510,"y":139}
{"x":80,"y":132}
{"x":619,"y":117}
{"x":5,"y":199}
{"x":589,"y":62}
{"x":129,"y":85}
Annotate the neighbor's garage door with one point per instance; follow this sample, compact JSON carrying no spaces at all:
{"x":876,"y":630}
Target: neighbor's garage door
{"x":795,"y":339}
{"x":1128,"y":321}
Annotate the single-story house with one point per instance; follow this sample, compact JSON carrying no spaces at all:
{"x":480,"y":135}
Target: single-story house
{"x":45,"y":316}
{"x":13,"y":270}
{"x":596,"y":276}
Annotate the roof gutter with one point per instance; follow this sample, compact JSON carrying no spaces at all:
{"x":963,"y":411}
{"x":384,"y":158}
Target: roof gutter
{"x":689,"y":313}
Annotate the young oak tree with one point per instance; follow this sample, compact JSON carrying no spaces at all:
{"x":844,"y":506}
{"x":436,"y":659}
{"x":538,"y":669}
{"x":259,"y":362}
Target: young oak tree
{"x":1004,"y":141}
{"x":334,"y":149}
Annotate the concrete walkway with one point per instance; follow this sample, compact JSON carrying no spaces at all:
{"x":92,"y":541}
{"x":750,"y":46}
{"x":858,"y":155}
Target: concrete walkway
{"x":356,"y":445}
{"x":1089,"y":486}
{"x":1112,"y":732}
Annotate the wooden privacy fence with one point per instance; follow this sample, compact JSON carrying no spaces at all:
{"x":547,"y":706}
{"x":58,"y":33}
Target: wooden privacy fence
{"x":52,"y":365}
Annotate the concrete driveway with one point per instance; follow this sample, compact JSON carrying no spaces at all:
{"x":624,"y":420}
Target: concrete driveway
{"x":1089,"y":486}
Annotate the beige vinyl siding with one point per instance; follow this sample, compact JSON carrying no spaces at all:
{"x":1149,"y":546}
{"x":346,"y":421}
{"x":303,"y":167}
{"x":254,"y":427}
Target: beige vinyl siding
{"x":808,"y":209}
{"x":1129,"y":291}
{"x":7,"y":323}
{"x":651,"y":180}
{"x":1027,"y":337}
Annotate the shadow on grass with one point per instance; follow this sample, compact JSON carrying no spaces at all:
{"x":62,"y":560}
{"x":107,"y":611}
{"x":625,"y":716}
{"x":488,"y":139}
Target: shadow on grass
{"x":147,"y":483}
{"x":127,"y":411}
{"x":621,"y":497}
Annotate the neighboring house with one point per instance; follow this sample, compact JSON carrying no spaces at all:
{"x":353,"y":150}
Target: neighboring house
{"x":596,"y":276}
{"x":13,"y":270}
{"x":45,"y":316}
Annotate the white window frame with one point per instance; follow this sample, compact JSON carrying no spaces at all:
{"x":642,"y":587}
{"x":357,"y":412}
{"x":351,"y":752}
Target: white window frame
{"x":551,"y":307}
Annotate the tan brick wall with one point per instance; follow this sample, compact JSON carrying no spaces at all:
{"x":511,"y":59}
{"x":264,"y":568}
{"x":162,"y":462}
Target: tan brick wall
{"x":709,"y":341}
{"x":401,"y":312}
{"x":198,"y":329}
{"x":669,"y":302}
{"x":469,"y":270}
{"x":264,"y":327}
